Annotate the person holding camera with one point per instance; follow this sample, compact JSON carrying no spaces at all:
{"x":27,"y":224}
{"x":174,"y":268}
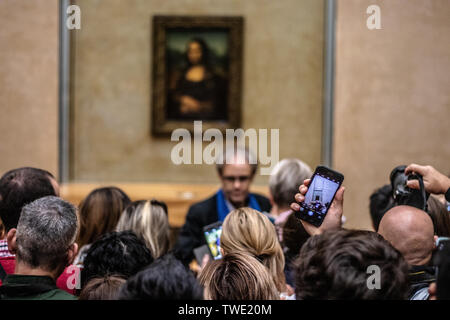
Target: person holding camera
{"x":409,"y":229}
{"x":434,"y":181}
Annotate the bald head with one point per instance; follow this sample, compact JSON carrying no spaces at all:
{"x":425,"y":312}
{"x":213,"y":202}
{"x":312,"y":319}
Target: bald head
{"x":410,"y":231}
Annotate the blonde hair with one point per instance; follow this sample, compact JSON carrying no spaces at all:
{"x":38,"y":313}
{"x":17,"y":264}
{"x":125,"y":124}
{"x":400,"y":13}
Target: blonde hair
{"x":149,"y":221}
{"x":237,"y":276}
{"x":248,"y":230}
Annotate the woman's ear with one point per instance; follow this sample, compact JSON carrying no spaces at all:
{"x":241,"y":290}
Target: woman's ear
{"x":11,"y":239}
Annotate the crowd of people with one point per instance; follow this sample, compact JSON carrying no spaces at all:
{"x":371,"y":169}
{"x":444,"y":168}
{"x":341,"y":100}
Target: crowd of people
{"x":113,"y":248}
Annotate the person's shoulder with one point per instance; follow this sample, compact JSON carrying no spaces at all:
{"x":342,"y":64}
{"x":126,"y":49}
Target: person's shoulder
{"x":54,"y":294}
{"x":204,"y":204}
{"x":58,"y":294}
{"x":263,"y":201}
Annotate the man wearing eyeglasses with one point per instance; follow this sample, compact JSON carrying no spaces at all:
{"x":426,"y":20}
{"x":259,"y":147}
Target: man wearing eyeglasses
{"x":236,"y":168}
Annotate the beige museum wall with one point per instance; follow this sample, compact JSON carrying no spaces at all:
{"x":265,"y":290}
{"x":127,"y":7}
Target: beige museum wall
{"x":392,"y":97}
{"x":29,"y":84}
{"x":282,"y":85}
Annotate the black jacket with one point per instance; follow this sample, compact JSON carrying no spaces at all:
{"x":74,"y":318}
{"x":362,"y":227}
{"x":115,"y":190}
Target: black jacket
{"x":420,"y":277}
{"x":200,"y":215}
{"x":26,"y":287}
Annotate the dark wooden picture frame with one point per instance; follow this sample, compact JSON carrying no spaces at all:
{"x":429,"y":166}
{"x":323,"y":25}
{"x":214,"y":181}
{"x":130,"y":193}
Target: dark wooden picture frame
{"x":180,"y":94}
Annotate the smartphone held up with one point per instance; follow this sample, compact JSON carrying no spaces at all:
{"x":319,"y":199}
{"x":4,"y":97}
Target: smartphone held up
{"x":212,"y":234}
{"x":320,"y":195}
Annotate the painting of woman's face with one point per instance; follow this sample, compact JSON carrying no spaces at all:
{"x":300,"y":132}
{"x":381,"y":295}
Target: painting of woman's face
{"x":197,"y":71}
{"x":194,"y":52}
{"x":198,"y":74}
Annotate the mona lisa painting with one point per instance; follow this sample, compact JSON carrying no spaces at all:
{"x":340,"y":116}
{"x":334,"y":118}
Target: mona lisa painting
{"x":197,"y":63}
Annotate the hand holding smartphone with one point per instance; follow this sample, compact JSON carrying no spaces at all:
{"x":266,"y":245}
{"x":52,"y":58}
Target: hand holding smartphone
{"x":320,"y":201}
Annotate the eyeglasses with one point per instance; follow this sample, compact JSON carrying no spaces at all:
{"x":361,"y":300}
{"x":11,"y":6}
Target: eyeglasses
{"x":231,"y":179}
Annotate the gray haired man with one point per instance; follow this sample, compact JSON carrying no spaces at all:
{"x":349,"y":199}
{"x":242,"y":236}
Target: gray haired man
{"x":284,"y":181}
{"x":236,"y":168}
{"x":44,"y":244}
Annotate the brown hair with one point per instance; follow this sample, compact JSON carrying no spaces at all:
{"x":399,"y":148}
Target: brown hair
{"x":99,"y":213}
{"x":249,"y":231}
{"x":2,"y":229}
{"x":237,"y":276}
{"x":294,"y":235}
{"x":335,"y":266}
{"x":106,"y":288}
{"x":440,"y":216}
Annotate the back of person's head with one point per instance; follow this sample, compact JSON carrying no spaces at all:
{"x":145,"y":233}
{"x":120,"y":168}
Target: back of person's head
{"x":411,"y":231}
{"x":335,"y":266}
{"x":440,"y":216}
{"x":294,"y":235}
{"x":19,"y":187}
{"x":238,"y":276}
{"x":148,"y":219}
{"x":285,"y":179}
{"x":248,"y":230}
{"x":99,"y":213}
{"x":120,"y":253}
{"x":102,"y":288}
{"x":47,"y":228}
{"x":165,"y":279}
{"x":381,"y":200}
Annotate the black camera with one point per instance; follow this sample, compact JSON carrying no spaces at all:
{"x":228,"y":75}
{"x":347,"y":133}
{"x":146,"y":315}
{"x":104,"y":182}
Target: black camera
{"x":404,"y":195}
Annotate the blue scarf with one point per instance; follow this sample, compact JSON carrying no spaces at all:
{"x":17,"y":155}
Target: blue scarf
{"x":222,"y":208}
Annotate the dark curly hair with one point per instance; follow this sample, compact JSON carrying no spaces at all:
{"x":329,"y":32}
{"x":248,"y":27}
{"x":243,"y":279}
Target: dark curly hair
{"x":334,"y":266}
{"x":381,"y":201}
{"x":165,"y":279}
{"x":120,"y":253}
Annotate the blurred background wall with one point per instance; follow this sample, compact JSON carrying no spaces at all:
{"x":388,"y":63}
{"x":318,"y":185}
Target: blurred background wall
{"x":112,"y":86}
{"x":29,"y":84}
{"x":392,"y":97}
{"x":392,"y":102}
